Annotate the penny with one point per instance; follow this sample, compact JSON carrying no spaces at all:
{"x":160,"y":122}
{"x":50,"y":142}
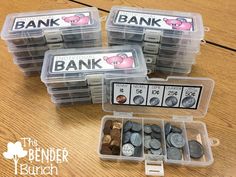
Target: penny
{"x":115,"y":133}
{"x":174,"y":153}
{"x":177,"y":140}
{"x":106,"y":130}
{"x":106,"y":150}
{"x":156,"y":152}
{"x":147,"y":144}
{"x":116,"y":150}
{"x":115,"y":143}
{"x":127,"y":126}
{"x":121,"y":99}
{"x":136,"y":127}
{"x":188,"y":102}
{"x":156,"y":128}
{"x":155,"y":144}
{"x":154,"y":101}
{"x":138,"y":100}
{"x":167,"y":128}
{"x":137,"y":151}
{"x":108,"y":124}
{"x":196,"y":149}
{"x":156,"y":135}
{"x":136,"y":139}
{"x":116,"y":125}
{"x":175,"y":129}
{"x":106,"y":139}
{"x":171,"y":101}
{"x":147,"y":129}
{"x":126,"y":137}
{"x":128,"y":149}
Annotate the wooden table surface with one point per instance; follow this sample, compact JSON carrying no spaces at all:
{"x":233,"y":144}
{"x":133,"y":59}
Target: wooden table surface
{"x":26,"y":109}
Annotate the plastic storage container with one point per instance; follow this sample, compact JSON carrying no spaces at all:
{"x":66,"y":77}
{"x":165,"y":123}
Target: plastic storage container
{"x":192,"y":97}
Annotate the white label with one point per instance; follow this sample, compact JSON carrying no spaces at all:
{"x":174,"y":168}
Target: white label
{"x":52,"y":21}
{"x":138,"y":94}
{"x":172,"y":96}
{"x":155,"y":93}
{"x":121,"y":93}
{"x":190,"y":97}
{"x":101,"y":62}
{"x":155,"y":21}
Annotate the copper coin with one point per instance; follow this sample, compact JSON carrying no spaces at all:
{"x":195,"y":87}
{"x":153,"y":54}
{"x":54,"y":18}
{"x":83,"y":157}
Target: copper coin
{"x":106,"y":139}
{"x":115,"y":143}
{"x":115,"y":150}
{"x":121,"y":99}
{"x":108,"y":124}
{"x":117,"y":125}
{"x":106,"y":150}
{"x":115,"y":133}
{"x":106,"y":130}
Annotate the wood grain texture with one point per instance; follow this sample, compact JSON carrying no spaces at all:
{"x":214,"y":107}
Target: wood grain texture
{"x":26,"y":109}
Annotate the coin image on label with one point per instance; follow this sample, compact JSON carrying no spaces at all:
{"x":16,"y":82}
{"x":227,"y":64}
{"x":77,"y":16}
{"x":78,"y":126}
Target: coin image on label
{"x":171,"y":101}
{"x":128,"y":149}
{"x":136,"y":139}
{"x":138,"y":100}
{"x":154,"y":101}
{"x":121,"y":99}
{"x":174,"y":153}
{"x":188,"y":102}
{"x":177,"y":140}
{"x":196,"y":149}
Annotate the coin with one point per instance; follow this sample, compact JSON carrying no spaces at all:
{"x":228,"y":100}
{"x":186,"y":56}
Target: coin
{"x":147,"y":129}
{"x":177,"y":140}
{"x":168,"y":140}
{"x":167,"y":128}
{"x":138,"y":100}
{"x":115,"y":142}
{"x":136,"y":127}
{"x":106,"y":130}
{"x":175,"y":129}
{"x":147,"y":143}
{"x":126,"y":137}
{"x":156,"y":151}
{"x":127,"y":126}
{"x":115,"y":133}
{"x":108,"y":124}
{"x":137,"y":151}
{"x":106,"y":150}
{"x":106,"y":139}
{"x":154,"y":101}
{"x":155,"y":144}
{"x":116,"y":150}
{"x":196,"y":149}
{"x":128,"y":149}
{"x":147,"y":137}
{"x":156,"y":135}
{"x":171,"y":101}
{"x":121,"y":99}
{"x":156,"y":128}
{"x":188,"y":102}
{"x":136,"y":139}
{"x":174,"y":153}
{"x":117,"y":125}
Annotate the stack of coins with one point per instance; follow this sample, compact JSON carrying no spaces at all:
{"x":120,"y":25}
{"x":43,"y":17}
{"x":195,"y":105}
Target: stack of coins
{"x":111,"y":138}
{"x":29,"y":35}
{"x":196,"y":149}
{"x":170,"y":40}
{"x":132,"y":139}
{"x":174,"y":142}
{"x":152,"y":139}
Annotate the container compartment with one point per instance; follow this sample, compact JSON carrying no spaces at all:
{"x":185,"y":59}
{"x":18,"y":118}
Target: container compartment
{"x":71,"y":100}
{"x":72,"y":89}
{"x":71,"y":95}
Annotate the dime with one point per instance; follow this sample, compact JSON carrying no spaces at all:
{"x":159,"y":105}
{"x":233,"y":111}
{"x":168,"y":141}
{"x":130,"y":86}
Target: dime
{"x":128,"y":149}
{"x":127,"y":126}
{"x":154,"y":101}
{"x":156,"y":152}
{"x":136,"y":127}
{"x":138,"y":100}
{"x":155,"y":144}
{"x":116,"y":150}
{"x":177,"y":140}
{"x":167,"y":128}
{"x":117,"y":125}
{"x":108,"y":124}
{"x":121,"y":99}
{"x":106,"y":150}
{"x":168,"y":140}
{"x":147,"y":129}
{"x":171,"y":101}
{"x":115,"y":133}
{"x":188,"y":102}
{"x":106,"y":139}
{"x":136,"y":139}
{"x":196,"y":149}
{"x":147,"y":137}
{"x":175,"y":129}
{"x":126,"y":137}
{"x":174,"y":153}
{"x":156,"y":128}
{"x":156,"y":135}
{"x":137,"y":151}
{"x":147,"y":143}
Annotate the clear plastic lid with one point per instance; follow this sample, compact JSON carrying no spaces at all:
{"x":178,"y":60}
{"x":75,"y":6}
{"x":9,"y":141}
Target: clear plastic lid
{"x":175,"y":96}
{"x":68,"y":65}
{"x":50,"y":23}
{"x":140,"y":21}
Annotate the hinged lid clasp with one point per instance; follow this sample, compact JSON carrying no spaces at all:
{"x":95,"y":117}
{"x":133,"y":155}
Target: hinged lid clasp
{"x":152,"y":35}
{"x":53,"y":36}
{"x":183,"y":118}
{"x":123,"y":114}
{"x":154,"y":167}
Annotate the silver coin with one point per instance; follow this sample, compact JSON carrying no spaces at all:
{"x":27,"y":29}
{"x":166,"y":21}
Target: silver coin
{"x":138,"y":100}
{"x":128,"y":149}
{"x":155,"y":144}
{"x":196,"y":149}
{"x":127,"y":126}
{"x":156,"y":152}
{"x":175,"y":129}
{"x":147,"y":137}
{"x":168,"y":140}
{"x":147,"y":129}
{"x":188,"y":102}
{"x":137,"y":151}
{"x":156,"y":128}
{"x":174,"y":153}
{"x":136,"y":127}
{"x":154,"y":101}
{"x":167,"y":128}
{"x":147,"y":143}
{"x":177,"y":140}
{"x":126,"y":137}
{"x":171,"y":101}
{"x":136,"y":139}
{"x":156,"y":135}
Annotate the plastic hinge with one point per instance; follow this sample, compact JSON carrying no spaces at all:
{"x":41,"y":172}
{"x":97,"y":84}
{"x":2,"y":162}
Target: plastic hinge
{"x":152,"y":35}
{"x":94,"y":78}
{"x":123,"y":114}
{"x":53,"y":36}
{"x":56,"y":46}
{"x":150,"y":47}
{"x":154,"y":168}
{"x":183,"y":118}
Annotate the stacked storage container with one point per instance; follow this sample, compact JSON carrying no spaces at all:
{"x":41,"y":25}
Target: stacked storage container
{"x":30,"y":35}
{"x":75,"y":76}
{"x":170,"y":40}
